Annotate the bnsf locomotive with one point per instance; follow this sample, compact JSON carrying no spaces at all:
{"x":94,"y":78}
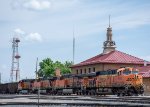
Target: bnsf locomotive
{"x":121,"y":82}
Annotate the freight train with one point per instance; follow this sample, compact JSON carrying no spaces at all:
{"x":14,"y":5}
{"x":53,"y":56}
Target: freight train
{"x":122,"y":82}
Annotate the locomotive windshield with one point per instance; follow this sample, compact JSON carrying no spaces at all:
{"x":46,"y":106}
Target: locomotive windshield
{"x":126,"y":72}
{"x":129,"y":72}
{"x":134,"y":72}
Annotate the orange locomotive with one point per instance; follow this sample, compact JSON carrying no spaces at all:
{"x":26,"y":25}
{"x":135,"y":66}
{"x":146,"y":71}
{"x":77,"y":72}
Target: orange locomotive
{"x":25,"y":86}
{"x":124,"y":81}
{"x":121,"y":82}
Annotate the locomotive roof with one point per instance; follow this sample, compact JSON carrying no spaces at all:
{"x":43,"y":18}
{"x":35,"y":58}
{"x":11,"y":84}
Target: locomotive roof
{"x":9,"y":83}
{"x":27,"y":80}
{"x":108,"y":72}
{"x":67,"y":75}
{"x":86,"y":75}
{"x":92,"y":74}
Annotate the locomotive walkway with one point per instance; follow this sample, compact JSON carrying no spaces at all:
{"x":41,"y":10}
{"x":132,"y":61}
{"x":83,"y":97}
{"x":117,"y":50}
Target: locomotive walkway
{"x":137,"y":101}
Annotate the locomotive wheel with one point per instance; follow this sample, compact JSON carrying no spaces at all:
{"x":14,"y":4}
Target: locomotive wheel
{"x":94,"y":93}
{"x":122,"y":94}
{"x":130,"y":93}
{"x":80,"y":93}
{"x":89,"y":93}
{"x":118,"y":94}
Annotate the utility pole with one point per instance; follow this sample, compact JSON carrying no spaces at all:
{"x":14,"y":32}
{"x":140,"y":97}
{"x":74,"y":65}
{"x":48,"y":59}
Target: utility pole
{"x":0,"y":77}
{"x":37,"y":77}
{"x":36,"y":69}
{"x":73,"y":45}
{"x":39,"y":97}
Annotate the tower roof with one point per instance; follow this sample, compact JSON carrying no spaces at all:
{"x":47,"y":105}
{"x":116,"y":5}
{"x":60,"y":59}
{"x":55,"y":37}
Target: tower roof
{"x":113,"y":57}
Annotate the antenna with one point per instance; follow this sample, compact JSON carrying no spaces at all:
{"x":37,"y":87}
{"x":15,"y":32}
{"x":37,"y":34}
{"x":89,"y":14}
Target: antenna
{"x":109,"y":20}
{"x":73,"y":45}
{"x":36,"y":72}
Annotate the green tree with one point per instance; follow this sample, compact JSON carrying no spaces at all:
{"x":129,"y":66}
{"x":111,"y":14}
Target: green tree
{"x":48,"y":67}
{"x":66,"y":68}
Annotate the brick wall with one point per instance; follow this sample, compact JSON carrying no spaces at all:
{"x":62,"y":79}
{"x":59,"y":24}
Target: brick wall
{"x":100,"y":67}
{"x":146,"y":82}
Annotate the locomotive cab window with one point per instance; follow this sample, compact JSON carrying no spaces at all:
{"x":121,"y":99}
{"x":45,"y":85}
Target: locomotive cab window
{"x":119,"y":73}
{"x":126,"y":72}
{"x":134,"y":72}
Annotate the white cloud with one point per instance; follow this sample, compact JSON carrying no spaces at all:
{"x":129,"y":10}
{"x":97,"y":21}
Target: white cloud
{"x":37,"y":5}
{"x":64,"y":4}
{"x":31,"y":4}
{"x":34,"y":37}
{"x":19,"y":31}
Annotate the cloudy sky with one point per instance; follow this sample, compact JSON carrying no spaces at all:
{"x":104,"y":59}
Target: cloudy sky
{"x":45,"y":28}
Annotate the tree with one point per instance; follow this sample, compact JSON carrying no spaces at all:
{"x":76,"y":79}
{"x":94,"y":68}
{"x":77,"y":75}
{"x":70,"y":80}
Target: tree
{"x":48,"y":67}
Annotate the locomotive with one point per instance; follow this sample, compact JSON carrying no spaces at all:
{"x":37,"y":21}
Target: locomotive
{"x":122,"y":82}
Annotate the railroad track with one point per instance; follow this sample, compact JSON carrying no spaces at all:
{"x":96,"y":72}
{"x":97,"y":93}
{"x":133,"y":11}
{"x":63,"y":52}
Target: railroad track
{"x":76,"y":100}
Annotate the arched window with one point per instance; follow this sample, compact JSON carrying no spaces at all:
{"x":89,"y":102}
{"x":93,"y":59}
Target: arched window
{"x":93,"y":69}
{"x":85,"y":70}
{"x":80,"y":71}
{"x":77,"y":71}
{"x":89,"y":70}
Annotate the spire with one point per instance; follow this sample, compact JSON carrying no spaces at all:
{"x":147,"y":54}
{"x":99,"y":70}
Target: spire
{"x":109,"y":44}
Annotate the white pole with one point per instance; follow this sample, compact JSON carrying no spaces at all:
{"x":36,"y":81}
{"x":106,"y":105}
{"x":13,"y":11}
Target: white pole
{"x":0,"y":77}
{"x":39,"y":97}
{"x":73,"y":45}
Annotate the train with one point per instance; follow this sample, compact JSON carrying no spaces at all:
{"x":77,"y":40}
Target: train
{"x":125,"y":81}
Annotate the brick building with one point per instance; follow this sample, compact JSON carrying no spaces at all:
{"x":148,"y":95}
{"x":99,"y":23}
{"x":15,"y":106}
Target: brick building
{"x":145,"y":72}
{"x":110,"y":58}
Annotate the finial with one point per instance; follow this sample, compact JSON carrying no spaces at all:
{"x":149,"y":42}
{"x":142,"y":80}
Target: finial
{"x":109,"y":20}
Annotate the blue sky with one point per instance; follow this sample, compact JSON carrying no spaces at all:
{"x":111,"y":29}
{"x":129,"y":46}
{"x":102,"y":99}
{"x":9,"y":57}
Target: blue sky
{"x":45,"y":28}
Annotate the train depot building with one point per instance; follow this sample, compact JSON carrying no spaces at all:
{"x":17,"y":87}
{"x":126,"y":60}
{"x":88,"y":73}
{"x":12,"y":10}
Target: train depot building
{"x":145,"y":72}
{"x":111,"y":59}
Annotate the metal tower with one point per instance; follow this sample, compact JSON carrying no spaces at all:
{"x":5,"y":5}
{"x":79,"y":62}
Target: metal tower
{"x":15,"y":60}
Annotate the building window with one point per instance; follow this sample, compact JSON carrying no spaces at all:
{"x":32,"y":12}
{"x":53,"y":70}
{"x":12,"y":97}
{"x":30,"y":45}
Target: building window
{"x":77,"y":71}
{"x":89,"y":70}
{"x":85,"y":70}
{"x":80,"y":71}
{"x":94,"y":69}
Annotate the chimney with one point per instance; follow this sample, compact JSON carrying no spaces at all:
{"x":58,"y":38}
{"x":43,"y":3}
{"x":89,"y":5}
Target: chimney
{"x":57,"y":72}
